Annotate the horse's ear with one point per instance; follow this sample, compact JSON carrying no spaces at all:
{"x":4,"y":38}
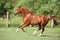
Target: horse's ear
{"x":19,"y":6}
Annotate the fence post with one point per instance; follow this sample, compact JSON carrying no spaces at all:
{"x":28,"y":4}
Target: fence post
{"x":7,"y":19}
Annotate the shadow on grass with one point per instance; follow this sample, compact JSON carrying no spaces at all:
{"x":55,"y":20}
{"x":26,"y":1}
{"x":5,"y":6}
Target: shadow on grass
{"x":58,"y":36}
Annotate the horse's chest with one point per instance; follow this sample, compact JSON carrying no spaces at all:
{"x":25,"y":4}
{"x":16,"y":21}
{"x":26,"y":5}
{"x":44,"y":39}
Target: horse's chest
{"x":27,"y":18}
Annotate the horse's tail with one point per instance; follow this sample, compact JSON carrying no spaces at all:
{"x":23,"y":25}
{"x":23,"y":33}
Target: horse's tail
{"x":55,"y":22}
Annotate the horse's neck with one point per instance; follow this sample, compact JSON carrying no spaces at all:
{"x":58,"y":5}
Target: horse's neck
{"x":26,"y":12}
{"x":23,"y":14}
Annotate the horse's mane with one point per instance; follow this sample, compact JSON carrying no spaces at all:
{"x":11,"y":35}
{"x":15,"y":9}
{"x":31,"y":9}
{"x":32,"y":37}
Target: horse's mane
{"x":27,"y":11}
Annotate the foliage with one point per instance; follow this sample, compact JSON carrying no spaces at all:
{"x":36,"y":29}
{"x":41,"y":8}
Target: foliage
{"x":46,"y":7}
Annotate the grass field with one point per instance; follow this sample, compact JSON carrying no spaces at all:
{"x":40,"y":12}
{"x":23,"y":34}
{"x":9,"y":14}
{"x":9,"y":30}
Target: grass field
{"x":10,"y":34}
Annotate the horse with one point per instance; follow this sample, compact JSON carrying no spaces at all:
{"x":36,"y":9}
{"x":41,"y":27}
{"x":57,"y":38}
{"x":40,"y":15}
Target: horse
{"x":31,"y":19}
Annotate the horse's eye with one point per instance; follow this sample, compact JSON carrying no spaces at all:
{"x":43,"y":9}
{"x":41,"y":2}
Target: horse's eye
{"x":17,"y":9}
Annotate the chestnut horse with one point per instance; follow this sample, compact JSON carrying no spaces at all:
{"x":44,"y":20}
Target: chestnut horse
{"x":31,"y":19}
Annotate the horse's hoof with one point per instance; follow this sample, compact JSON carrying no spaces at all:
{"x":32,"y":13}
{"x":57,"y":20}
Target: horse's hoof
{"x":17,"y":30}
{"x":40,"y":35}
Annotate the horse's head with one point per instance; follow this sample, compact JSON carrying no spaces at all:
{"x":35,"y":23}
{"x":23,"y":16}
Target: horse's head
{"x":19,"y":10}
{"x":53,"y":19}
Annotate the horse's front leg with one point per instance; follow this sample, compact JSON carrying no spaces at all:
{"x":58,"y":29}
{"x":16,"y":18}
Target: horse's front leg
{"x":22,"y":26}
{"x":18,"y":28}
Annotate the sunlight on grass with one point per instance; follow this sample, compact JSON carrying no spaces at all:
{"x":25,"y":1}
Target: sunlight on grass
{"x":10,"y":34}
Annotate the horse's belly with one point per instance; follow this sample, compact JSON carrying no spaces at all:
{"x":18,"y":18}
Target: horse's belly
{"x":34,"y":21}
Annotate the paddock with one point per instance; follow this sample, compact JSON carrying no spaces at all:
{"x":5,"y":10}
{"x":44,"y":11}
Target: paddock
{"x":10,"y":34}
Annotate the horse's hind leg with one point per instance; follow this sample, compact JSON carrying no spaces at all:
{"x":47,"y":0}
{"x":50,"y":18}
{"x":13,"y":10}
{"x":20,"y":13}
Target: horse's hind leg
{"x":42,"y":30}
{"x":37,"y":30}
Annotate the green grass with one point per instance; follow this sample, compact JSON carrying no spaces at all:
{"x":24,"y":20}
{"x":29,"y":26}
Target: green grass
{"x":10,"y":34}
